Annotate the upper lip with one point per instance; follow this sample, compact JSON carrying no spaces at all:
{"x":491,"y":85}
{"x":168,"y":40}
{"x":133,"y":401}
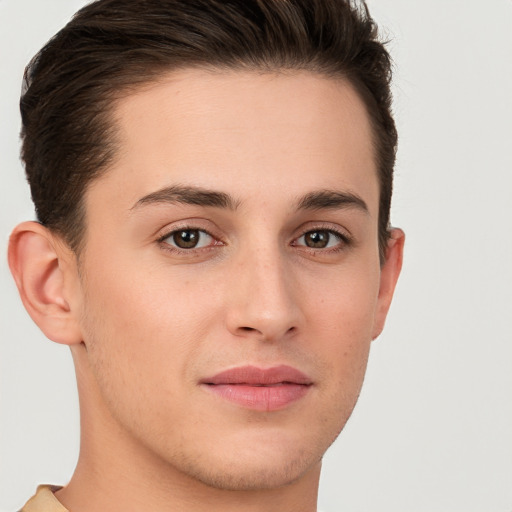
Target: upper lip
{"x":255,"y":376}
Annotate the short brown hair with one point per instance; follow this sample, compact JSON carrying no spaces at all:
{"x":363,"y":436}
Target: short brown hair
{"x":113,"y":46}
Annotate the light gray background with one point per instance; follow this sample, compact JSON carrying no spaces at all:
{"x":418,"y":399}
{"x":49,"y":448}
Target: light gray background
{"x":433,"y":428}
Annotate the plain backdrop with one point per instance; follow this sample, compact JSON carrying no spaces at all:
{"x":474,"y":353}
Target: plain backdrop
{"x":432,"y":431}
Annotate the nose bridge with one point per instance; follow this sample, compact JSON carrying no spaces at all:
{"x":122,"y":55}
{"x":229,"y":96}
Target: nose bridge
{"x":264,"y":302}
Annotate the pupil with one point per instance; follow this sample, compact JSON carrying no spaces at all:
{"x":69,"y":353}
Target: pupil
{"x":186,"y":239}
{"x":317,"y":239}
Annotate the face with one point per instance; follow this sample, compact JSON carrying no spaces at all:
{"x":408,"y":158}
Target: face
{"x":230,"y":280}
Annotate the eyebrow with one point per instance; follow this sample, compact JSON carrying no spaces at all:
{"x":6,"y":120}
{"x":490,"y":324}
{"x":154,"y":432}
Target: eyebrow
{"x":188,"y":195}
{"x":316,"y":200}
{"x":331,"y":199}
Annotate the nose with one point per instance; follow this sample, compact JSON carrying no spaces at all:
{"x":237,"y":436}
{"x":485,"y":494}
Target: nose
{"x":264,"y":303}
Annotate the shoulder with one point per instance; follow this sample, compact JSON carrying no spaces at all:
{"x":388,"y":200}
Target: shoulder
{"x":44,"y":500}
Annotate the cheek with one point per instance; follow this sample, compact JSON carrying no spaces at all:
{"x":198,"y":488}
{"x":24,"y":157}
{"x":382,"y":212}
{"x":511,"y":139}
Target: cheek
{"x":347,"y":307}
{"x":345,"y":317}
{"x":141,"y":333}
{"x":141,"y":303}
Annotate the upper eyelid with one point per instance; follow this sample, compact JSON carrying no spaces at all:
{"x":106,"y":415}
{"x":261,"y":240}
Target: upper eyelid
{"x":342,"y":238}
{"x":331,"y":231}
{"x":323,"y":226}
{"x":187,"y":224}
{"x":167,"y":233}
{"x":189,"y":252}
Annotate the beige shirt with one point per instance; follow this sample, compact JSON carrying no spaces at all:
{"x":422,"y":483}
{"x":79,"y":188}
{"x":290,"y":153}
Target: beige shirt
{"x":44,"y":500}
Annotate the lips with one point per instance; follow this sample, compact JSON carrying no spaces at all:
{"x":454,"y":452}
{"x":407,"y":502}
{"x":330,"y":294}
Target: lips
{"x":260,"y":389}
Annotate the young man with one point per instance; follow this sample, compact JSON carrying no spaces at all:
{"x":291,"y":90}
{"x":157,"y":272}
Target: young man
{"x":212,"y":181}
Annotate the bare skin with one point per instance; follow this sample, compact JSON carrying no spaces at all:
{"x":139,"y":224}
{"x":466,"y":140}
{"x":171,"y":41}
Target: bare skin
{"x":237,"y":227}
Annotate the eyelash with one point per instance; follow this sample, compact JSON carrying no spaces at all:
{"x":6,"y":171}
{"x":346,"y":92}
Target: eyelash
{"x":189,"y":252}
{"x":344,"y":240}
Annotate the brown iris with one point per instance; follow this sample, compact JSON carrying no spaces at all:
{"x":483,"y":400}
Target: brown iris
{"x":317,"y":239}
{"x":186,"y":239}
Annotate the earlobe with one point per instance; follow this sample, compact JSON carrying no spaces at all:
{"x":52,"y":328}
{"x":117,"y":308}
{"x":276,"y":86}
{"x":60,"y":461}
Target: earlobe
{"x":42,"y":271}
{"x":388,"y":278}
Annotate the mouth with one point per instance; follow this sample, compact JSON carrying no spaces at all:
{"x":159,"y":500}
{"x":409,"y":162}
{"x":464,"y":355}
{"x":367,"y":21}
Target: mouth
{"x":259,"y":389}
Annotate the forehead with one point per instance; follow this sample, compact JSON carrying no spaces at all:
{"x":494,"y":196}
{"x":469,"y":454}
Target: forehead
{"x":242,"y":130}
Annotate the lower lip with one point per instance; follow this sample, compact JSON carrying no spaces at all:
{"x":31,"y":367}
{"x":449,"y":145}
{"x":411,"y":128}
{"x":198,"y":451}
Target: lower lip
{"x":260,"y":398}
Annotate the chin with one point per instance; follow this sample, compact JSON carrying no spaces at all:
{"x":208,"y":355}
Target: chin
{"x":256,"y":463}
{"x":245,"y":475}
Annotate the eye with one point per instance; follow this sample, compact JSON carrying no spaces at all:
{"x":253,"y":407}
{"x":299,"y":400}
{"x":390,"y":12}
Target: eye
{"x":188,"y":239}
{"x":320,"y":239}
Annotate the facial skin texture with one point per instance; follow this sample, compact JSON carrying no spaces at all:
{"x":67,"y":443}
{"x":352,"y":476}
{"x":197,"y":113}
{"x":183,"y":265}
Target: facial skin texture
{"x":150,"y":323}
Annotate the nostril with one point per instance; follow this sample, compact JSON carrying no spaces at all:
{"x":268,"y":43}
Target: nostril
{"x":264,"y":333}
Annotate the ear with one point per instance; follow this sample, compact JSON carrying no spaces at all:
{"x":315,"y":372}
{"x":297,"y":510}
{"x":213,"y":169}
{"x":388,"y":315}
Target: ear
{"x":388,"y":278}
{"x":46,"y":275}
